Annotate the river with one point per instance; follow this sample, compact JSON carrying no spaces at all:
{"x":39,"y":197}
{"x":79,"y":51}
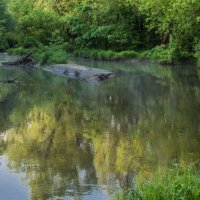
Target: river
{"x":66,"y":139}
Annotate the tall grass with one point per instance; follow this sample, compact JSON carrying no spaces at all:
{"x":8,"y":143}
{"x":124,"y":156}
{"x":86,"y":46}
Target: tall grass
{"x":44,"y":55}
{"x":18,"y":51}
{"x":174,"y":184}
{"x":108,"y":55}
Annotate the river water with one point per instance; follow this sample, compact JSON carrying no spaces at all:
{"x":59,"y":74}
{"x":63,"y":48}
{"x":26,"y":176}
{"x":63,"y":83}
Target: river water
{"x":66,"y":139}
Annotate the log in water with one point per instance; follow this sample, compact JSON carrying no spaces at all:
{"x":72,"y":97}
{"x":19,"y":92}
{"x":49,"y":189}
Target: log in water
{"x":22,"y":61}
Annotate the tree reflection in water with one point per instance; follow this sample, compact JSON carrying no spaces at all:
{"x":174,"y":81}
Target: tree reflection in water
{"x":70,"y":137}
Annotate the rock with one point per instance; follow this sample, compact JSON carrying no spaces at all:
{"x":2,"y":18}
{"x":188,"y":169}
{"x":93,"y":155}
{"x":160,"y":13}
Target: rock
{"x":79,"y":72}
{"x":66,"y":72}
{"x":100,"y":77}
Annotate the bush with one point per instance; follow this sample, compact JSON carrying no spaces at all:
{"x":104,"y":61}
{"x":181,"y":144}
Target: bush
{"x":197,"y":52}
{"x":161,"y":54}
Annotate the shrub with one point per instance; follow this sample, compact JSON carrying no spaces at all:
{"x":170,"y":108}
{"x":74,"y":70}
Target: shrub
{"x":162,"y":54}
{"x":197,"y":52}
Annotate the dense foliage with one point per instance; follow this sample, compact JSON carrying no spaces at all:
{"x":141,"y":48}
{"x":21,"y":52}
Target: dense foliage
{"x":6,"y":27}
{"x":166,"y":30}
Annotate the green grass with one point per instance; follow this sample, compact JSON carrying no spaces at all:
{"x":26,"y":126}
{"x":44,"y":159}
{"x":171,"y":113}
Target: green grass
{"x":174,"y":184}
{"x":44,"y":55}
{"x":18,"y":51}
{"x":57,"y":54}
{"x":108,"y":55}
{"x":159,"y":54}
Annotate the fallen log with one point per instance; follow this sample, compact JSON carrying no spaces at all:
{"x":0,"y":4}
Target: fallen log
{"x":13,"y":81}
{"x":79,"y":72}
{"x":25,"y":60}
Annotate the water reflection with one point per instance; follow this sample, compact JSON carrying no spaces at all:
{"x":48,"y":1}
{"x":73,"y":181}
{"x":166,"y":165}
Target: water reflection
{"x":74,"y":139}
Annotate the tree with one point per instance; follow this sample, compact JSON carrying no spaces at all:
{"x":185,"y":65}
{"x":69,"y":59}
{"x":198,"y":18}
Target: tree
{"x":175,"y":22}
{"x":6,"y":25}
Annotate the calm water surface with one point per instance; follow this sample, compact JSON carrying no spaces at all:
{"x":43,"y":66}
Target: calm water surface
{"x":66,"y":139}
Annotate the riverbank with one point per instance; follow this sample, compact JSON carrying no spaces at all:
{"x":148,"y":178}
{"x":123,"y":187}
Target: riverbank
{"x":58,"y":54}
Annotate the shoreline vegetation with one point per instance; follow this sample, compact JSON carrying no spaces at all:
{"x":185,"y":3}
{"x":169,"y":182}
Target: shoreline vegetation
{"x":46,"y":55}
{"x":174,"y":184}
{"x":165,"y":32}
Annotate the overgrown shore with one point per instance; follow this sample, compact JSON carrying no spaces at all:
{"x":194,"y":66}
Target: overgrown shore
{"x":57,"y":54}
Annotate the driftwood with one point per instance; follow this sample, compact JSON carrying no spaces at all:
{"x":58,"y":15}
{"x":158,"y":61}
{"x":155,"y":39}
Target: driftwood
{"x":80,"y":72}
{"x":23,"y":61}
{"x":14,"y":81}
{"x":100,"y":77}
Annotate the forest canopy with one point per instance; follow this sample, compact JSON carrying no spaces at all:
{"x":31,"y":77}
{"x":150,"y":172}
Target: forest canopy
{"x":163,"y":30}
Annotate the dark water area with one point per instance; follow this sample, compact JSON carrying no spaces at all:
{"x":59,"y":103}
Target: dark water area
{"x":66,"y":139}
